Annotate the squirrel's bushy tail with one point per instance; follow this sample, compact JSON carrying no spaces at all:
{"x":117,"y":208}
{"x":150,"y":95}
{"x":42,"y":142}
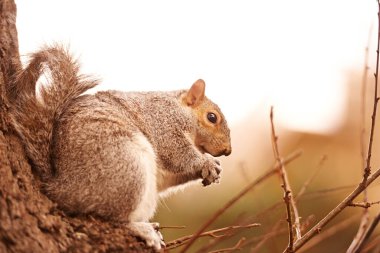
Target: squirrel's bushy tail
{"x":35,"y":112}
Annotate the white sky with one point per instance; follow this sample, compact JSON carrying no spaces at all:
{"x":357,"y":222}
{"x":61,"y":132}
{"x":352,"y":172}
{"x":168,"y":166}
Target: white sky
{"x":291,"y":54}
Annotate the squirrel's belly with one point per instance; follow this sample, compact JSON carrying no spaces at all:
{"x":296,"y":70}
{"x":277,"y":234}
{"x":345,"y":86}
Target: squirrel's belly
{"x":146,"y":160}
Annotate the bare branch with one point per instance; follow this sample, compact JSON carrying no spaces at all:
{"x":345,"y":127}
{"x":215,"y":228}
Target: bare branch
{"x":311,"y":178}
{"x":367,"y":170}
{"x":363,"y":100}
{"x":323,"y":192}
{"x":288,"y":198}
{"x":371,"y":227}
{"x":215,"y":241}
{"x":362,"y":235}
{"x":364,"y":204}
{"x":363,"y":226}
{"x":328,"y":233}
{"x":371,"y":245}
{"x":172,"y":227}
{"x":232,"y":201}
{"x":216,"y":233}
{"x":274,"y":232}
{"x":238,"y":246}
{"x":339,"y":208}
{"x":368,"y":178}
{"x":365,"y":217}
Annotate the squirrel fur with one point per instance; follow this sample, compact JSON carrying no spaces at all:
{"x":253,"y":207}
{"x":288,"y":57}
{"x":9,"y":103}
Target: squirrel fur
{"x":113,"y":154}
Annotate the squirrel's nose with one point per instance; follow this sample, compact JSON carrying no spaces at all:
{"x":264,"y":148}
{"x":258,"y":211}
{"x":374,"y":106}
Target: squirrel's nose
{"x":227,"y":151}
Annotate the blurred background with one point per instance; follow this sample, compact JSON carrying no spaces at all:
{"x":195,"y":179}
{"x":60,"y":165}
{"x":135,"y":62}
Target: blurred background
{"x":305,"y":58}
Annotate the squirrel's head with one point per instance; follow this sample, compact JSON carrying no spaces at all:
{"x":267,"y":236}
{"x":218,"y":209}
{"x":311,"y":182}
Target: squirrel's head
{"x":212,"y":134}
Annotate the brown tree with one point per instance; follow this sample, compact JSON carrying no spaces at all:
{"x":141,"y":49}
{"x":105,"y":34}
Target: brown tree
{"x":29,"y":221}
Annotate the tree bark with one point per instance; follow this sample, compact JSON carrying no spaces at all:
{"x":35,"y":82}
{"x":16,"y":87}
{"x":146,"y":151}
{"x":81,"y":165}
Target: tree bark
{"x":29,"y":221}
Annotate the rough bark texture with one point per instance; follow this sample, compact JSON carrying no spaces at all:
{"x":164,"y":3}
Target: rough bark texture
{"x":29,"y":221}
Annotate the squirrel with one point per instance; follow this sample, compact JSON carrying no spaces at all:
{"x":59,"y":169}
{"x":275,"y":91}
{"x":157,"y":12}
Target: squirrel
{"x":113,"y":154}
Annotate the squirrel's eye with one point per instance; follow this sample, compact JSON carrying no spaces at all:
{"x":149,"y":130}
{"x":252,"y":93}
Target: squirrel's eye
{"x":212,"y":117}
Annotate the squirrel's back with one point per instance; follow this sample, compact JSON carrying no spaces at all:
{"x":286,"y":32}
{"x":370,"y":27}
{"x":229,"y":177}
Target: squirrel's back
{"x":104,"y":146}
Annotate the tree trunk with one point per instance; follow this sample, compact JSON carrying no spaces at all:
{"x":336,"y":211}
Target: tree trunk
{"x":29,"y":221}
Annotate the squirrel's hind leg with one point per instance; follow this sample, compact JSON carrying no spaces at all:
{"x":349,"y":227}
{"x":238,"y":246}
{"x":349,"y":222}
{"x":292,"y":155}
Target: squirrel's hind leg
{"x":145,"y":160}
{"x":107,"y":171}
{"x":149,"y":233}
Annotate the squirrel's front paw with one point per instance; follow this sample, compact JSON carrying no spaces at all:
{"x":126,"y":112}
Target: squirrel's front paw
{"x":211,"y":172}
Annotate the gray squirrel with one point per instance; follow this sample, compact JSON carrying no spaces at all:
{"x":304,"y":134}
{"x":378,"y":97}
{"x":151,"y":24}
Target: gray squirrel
{"x":113,"y":154}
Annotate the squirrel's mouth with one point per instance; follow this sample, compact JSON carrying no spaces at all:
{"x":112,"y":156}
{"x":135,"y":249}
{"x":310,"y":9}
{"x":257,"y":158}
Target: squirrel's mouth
{"x":225,"y":152}
{"x":202,"y":149}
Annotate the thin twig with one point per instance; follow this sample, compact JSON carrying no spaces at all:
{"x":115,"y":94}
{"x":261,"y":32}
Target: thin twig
{"x":365,"y":217}
{"x":323,"y":192}
{"x":303,"y":192}
{"x":328,"y":233}
{"x":215,"y":241}
{"x":288,"y":198}
{"x":216,"y":233}
{"x":363,"y":100}
{"x":274,"y":232}
{"x":365,"y":205}
{"x":311,"y":178}
{"x":243,"y":171}
{"x":232,"y":201}
{"x":305,"y":196}
{"x":368,"y":178}
{"x":367,"y":170}
{"x":238,"y":246}
{"x":265,"y":237}
{"x":339,"y":208}
{"x":372,"y":244}
{"x":371,"y":227}
{"x":172,"y":227}
{"x":361,"y":235}
{"x":274,"y":207}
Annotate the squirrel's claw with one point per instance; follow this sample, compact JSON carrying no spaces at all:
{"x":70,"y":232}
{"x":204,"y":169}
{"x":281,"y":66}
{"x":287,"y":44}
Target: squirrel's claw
{"x":211,"y":172}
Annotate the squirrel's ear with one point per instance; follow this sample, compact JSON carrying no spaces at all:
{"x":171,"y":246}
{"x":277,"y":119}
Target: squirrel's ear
{"x":196,"y":93}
